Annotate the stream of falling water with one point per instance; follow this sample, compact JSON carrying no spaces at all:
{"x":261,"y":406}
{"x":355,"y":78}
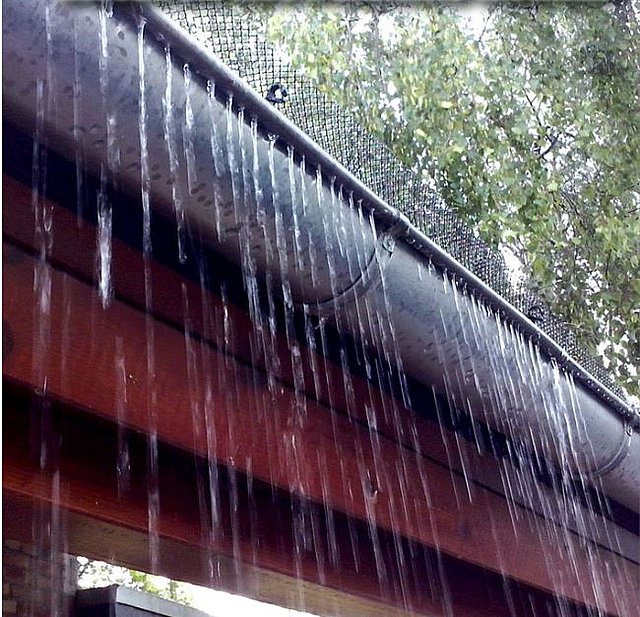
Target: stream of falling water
{"x":170,"y":139}
{"x":153,"y":480}
{"x":295,"y":388}
{"x":109,"y":170}
{"x":45,"y":525}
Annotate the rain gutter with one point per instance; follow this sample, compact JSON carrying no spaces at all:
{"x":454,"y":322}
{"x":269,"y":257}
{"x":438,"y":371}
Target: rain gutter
{"x":494,"y":371}
{"x":273,"y":121}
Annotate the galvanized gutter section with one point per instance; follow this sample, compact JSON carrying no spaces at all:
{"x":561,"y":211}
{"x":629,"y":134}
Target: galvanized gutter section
{"x":273,"y":121}
{"x":273,"y":216}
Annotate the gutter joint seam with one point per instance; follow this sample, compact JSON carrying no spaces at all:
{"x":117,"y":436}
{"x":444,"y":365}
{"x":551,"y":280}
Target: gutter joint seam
{"x":370,"y":276}
{"x":618,"y":456}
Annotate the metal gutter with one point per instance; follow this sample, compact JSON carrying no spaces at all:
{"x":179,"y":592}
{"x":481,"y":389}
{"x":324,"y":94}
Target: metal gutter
{"x":273,"y":216}
{"x":273,"y":121}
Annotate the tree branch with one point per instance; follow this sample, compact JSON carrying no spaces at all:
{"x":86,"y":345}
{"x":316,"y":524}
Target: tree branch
{"x":553,"y":140}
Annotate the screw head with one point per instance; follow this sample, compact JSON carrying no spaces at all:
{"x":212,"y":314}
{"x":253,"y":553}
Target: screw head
{"x":388,"y":242}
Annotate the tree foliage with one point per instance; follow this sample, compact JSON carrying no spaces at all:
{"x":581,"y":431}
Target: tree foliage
{"x":529,"y":126}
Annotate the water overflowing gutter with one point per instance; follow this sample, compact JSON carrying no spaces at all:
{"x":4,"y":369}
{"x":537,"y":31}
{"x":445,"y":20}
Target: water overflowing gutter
{"x":489,"y":362}
{"x":274,"y":122}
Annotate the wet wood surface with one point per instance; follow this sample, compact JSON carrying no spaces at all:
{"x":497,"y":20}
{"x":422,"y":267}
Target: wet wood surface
{"x":201,"y":398}
{"x":252,"y":552}
{"x":73,"y":251}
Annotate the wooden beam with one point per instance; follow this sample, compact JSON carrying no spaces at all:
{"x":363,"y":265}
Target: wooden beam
{"x":73,"y":251}
{"x":309,"y":452}
{"x":255,"y":550}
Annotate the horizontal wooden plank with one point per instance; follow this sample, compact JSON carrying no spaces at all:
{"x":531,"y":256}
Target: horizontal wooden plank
{"x":73,"y":250}
{"x":254,"y":550}
{"x":224,"y":410}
